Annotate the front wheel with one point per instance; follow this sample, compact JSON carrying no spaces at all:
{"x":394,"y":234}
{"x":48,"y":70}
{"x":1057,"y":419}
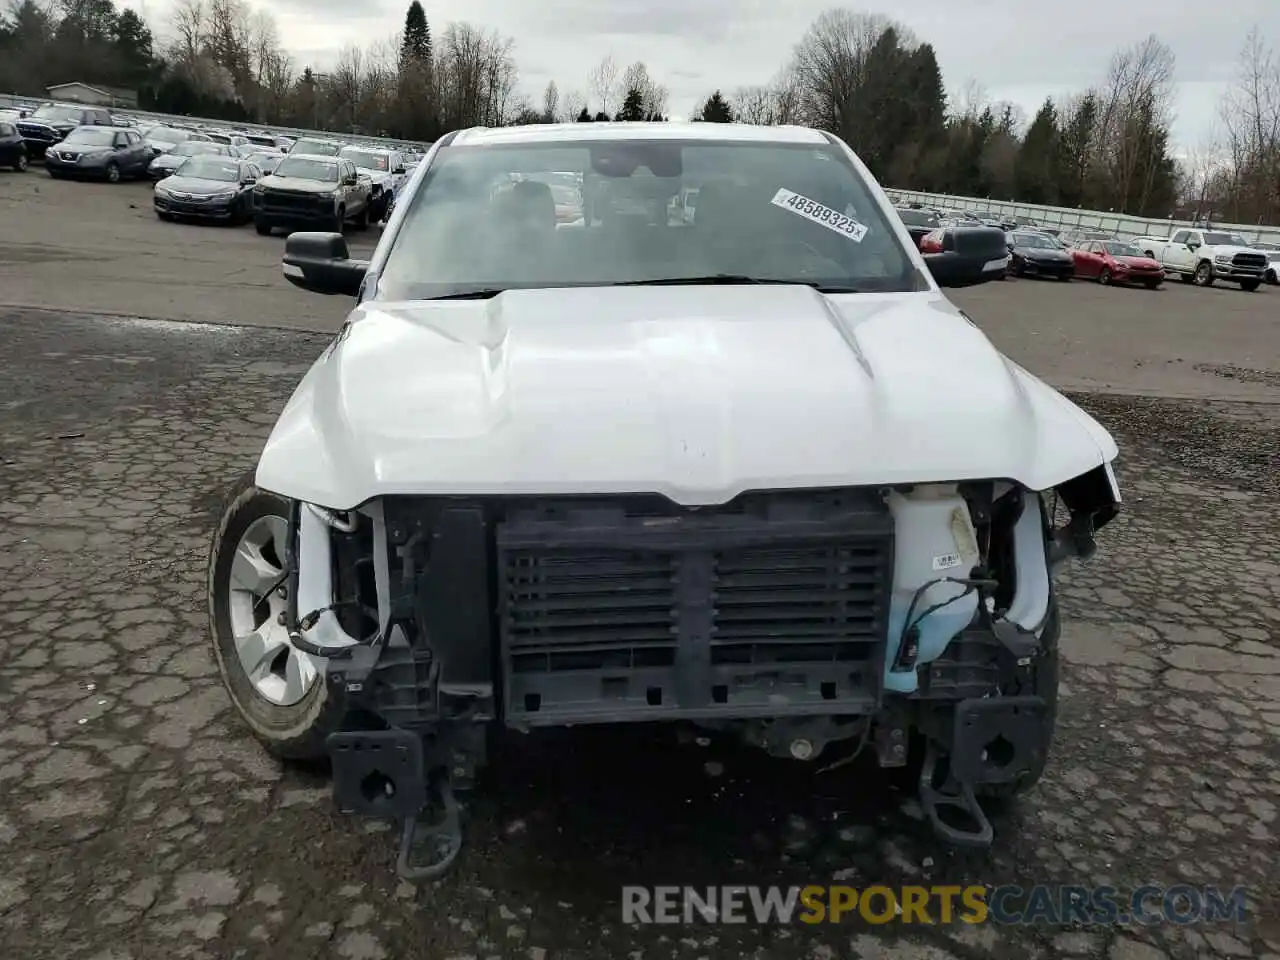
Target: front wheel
{"x":21,"y":163}
{"x":1152,"y":284}
{"x":1204,"y":274}
{"x":339,"y":223}
{"x":1104,"y":277}
{"x":1248,"y":286}
{"x":278,"y":690}
{"x":362,"y":218}
{"x":263,"y":227}
{"x":113,"y":172}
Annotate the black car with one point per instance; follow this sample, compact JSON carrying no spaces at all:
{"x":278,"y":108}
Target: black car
{"x":167,"y":164}
{"x":13,"y":149}
{"x":919,"y":223}
{"x":50,"y":124}
{"x":209,"y":188}
{"x":107,"y":153}
{"x":1037,"y":255}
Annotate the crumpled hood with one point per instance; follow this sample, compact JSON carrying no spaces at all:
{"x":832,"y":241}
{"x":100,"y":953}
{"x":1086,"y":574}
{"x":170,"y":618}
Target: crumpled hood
{"x":695,"y":393}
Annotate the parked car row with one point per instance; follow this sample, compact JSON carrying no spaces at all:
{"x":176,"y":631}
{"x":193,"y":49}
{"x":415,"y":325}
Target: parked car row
{"x":1200,"y":256}
{"x":312,"y":184}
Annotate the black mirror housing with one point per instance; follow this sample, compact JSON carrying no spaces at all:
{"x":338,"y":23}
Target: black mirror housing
{"x":321,"y":263}
{"x":971,"y":255}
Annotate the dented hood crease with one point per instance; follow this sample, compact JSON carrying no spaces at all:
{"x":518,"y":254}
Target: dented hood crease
{"x":695,"y":393}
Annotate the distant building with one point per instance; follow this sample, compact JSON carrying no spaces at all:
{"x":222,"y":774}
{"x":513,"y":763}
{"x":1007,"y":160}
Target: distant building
{"x":98,"y":96}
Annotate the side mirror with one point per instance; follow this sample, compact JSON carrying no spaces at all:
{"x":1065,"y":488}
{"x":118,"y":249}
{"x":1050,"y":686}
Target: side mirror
{"x":351,"y":181}
{"x":399,"y":169}
{"x":248,"y":180}
{"x":974,"y":255}
{"x":321,"y":263}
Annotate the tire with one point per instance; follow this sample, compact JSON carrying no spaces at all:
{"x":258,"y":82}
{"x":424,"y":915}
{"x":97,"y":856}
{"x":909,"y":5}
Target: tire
{"x":167,"y":217}
{"x":297,"y":731}
{"x":1248,"y":286}
{"x":263,"y":227}
{"x":1204,"y":274}
{"x":1039,"y":679}
{"x":339,"y":223}
{"x":1104,"y":277}
{"x":362,"y":219}
{"x":21,"y":163}
{"x":1151,"y":284}
{"x":55,"y":174}
{"x":113,"y":172}
{"x":1271,"y":277}
{"x":1185,"y":277}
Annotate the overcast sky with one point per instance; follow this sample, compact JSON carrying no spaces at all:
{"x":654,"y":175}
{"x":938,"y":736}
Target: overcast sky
{"x":1017,"y":50}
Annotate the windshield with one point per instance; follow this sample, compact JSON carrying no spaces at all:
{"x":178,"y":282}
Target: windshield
{"x":917,"y":218}
{"x":1037,"y":240}
{"x":367,"y":161}
{"x":316,"y":148}
{"x":92,"y":136}
{"x":212,"y":168}
{"x":197,"y":148}
{"x":1122,"y":250}
{"x":307,"y":169}
{"x":1216,"y":239}
{"x":56,"y":114}
{"x":484,"y":222}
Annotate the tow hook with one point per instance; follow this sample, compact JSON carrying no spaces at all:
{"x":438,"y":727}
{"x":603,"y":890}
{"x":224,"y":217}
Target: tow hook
{"x":955,"y":797}
{"x":994,"y":740}
{"x":429,"y":845}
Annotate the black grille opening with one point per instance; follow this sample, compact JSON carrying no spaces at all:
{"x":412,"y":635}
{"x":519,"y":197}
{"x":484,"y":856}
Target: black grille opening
{"x":776,"y":596}
{"x":588,"y":611}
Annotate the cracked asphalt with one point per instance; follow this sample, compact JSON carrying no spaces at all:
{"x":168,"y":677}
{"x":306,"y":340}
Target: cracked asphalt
{"x":139,"y":821}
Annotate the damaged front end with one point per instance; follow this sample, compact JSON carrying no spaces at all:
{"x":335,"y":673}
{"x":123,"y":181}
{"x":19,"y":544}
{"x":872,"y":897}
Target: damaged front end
{"x":919,"y":621}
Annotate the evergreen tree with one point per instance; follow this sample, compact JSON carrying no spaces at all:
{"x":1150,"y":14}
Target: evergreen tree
{"x":1035,"y":176}
{"x":585,"y":116}
{"x":416,"y":44}
{"x":716,"y":110}
{"x":632,"y":106}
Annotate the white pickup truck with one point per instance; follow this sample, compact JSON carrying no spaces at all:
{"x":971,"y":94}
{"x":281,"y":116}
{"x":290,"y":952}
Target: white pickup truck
{"x":1203,"y":256}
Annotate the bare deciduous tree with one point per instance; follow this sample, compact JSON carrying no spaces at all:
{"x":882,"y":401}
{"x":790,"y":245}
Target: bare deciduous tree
{"x":829,"y":64}
{"x":550,"y":102}
{"x":604,"y":84}
{"x":1250,"y":113}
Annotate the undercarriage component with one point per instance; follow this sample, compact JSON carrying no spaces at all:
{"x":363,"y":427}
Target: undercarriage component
{"x":994,"y":740}
{"x":428,"y":848}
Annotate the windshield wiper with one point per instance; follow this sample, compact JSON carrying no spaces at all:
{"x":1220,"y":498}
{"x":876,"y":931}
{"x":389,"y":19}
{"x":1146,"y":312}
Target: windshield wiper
{"x":486,"y":294}
{"x":729,"y":279}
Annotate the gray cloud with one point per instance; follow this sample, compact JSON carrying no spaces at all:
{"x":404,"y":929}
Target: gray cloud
{"x":1016,"y":49}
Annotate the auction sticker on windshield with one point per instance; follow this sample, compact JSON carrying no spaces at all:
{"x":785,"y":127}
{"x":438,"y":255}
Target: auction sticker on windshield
{"x":820,"y":214}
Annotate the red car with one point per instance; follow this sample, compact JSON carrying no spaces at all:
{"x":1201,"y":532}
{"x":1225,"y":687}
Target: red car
{"x":1113,"y":261}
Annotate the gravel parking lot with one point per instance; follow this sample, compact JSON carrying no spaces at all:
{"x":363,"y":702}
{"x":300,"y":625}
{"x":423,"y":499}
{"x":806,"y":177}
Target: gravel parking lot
{"x":138,"y":821}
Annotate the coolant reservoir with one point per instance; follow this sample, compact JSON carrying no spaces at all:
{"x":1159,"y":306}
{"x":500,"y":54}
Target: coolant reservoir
{"x":935,"y":538}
